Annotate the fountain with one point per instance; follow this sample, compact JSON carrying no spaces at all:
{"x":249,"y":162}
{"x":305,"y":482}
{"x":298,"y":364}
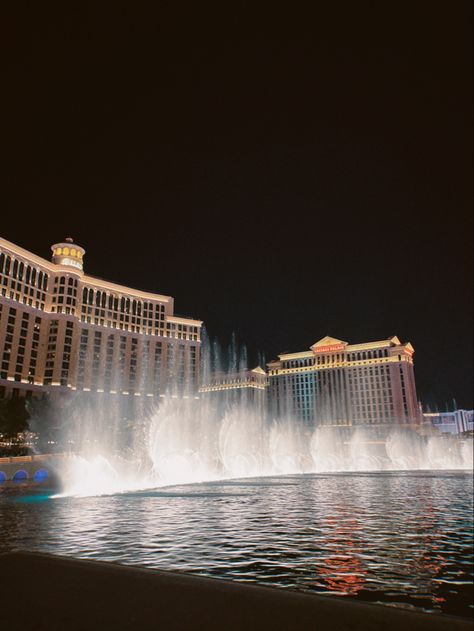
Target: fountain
{"x":188,"y":440}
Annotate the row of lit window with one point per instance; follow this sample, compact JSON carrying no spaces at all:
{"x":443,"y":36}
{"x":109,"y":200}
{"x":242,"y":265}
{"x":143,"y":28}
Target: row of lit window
{"x":66,"y":251}
{"x":335,"y":358}
{"x":18,"y":270}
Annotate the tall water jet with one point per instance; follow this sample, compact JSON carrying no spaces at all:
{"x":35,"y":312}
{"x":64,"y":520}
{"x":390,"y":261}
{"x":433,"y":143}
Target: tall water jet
{"x":180,"y":445}
{"x":288,"y":446}
{"x":328,"y":450}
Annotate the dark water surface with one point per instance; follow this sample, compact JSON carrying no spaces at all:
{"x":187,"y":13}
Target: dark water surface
{"x":403,"y":539}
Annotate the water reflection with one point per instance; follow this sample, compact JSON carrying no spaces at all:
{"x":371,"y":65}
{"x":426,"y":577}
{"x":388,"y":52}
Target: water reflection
{"x":404,"y":539}
{"x":343,"y":571}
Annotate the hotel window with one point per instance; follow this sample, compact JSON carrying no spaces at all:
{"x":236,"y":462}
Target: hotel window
{"x":109,"y":362}
{"x":133,"y":361}
{"x":82,"y":356}
{"x":96,"y":358}
{"x":122,"y":356}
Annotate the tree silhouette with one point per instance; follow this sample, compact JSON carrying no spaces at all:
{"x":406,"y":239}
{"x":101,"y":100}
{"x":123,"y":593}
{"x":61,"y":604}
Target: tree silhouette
{"x":14,"y":417}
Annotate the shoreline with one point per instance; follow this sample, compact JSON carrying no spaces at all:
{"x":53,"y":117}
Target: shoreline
{"x":61,"y":593}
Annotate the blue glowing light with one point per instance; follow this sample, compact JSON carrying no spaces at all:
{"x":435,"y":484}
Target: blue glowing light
{"x":20,"y":476}
{"x":41,"y":475}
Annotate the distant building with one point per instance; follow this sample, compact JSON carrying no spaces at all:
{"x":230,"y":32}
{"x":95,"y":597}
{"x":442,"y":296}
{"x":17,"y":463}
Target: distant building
{"x":248,"y":386}
{"x":456,"y":422}
{"x":62,"y":330}
{"x":340,"y":384}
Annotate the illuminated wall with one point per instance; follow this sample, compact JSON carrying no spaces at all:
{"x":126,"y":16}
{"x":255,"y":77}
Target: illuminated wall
{"x":62,"y":330}
{"x":247,"y":387}
{"x":341,"y":384}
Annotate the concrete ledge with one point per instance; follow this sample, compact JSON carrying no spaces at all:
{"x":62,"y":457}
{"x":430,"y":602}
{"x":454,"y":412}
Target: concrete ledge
{"x":45,"y":592}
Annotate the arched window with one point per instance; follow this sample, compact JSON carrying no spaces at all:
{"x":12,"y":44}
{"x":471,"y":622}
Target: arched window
{"x":40,"y":280}
{"x":28,"y":274}
{"x":15,"y":268}
{"x":2,"y":262}
{"x":111,"y":302}
{"x":97,"y":299}
{"x":85,"y":291}
{"x":134,"y":307}
{"x":7,"y":265}
{"x":91,"y":296}
{"x":21,"y":269}
{"x":45,"y":282}
{"x":103,"y":299}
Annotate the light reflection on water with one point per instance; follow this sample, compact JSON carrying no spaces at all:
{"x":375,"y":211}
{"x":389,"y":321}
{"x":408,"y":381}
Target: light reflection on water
{"x":399,"y":538}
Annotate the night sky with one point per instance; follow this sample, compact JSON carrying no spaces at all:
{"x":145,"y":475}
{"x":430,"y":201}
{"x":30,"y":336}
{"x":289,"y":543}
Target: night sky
{"x":284,"y":177}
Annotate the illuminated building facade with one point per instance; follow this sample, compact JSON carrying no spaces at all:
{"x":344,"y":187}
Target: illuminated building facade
{"x":62,"y":330}
{"x":340,"y":384}
{"x":456,"y":422}
{"x":247,"y":386}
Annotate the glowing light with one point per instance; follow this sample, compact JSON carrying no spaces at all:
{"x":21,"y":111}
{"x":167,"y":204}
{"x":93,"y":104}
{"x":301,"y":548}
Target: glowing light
{"x":72,"y":262}
{"x":329,"y":349}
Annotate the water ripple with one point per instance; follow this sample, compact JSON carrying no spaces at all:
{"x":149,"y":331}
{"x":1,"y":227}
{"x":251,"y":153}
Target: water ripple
{"x":404,"y":540}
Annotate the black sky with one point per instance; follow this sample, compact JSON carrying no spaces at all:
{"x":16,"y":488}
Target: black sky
{"x":282,"y":176}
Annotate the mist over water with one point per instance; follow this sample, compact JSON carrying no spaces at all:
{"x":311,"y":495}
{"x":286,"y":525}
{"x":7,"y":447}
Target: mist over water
{"x":186,"y":445}
{"x":224,"y":436}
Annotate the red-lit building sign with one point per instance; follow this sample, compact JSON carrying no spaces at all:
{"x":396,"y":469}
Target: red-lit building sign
{"x":329,"y":349}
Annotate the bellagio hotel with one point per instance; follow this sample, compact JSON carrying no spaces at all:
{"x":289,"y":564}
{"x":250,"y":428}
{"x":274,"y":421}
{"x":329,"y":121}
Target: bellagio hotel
{"x":62,"y":330}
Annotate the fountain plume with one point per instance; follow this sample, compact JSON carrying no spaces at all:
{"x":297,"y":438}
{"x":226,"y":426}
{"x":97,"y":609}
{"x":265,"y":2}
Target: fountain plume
{"x":184,"y":439}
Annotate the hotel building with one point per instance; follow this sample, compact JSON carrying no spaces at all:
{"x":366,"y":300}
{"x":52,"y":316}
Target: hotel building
{"x":62,"y":330}
{"x":340,"y":384}
{"x":456,"y":422}
{"x":244,"y":387}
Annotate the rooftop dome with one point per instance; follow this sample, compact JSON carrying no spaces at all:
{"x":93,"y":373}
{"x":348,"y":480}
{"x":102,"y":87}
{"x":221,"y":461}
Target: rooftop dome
{"x":68,"y":254}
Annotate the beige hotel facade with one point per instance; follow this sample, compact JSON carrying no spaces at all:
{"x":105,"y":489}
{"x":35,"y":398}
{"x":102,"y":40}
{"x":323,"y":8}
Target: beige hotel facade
{"x":340,"y":384}
{"x":62,"y":330}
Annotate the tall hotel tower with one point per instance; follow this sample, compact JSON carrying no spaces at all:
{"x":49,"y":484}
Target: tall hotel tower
{"x":61,"y":330}
{"x":340,"y":384}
